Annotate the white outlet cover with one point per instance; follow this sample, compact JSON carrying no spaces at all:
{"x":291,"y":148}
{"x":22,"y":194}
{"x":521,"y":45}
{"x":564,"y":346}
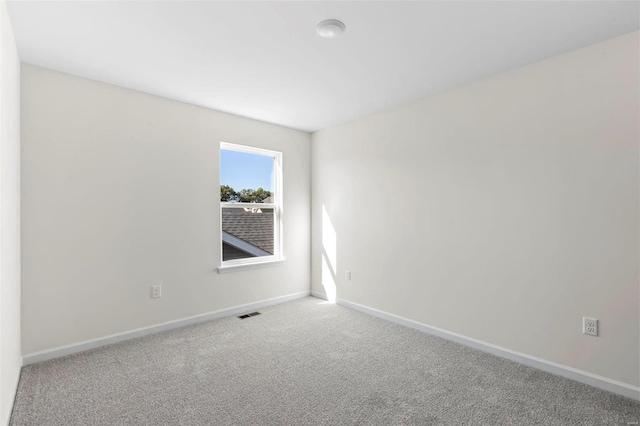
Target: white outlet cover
{"x":590,"y":326}
{"x":156,"y":291}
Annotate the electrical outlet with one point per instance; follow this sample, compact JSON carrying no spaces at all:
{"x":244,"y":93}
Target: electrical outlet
{"x":590,"y":326}
{"x":156,"y":291}
{"x":347,"y":275}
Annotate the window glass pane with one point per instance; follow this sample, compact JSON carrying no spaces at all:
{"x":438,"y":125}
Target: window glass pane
{"x":247,"y":232}
{"x":245,"y":177}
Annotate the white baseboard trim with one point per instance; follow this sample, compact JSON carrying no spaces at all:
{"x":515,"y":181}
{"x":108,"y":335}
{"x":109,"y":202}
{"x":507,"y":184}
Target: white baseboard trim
{"x":144,"y":331}
{"x":318,"y":295}
{"x":581,"y":376}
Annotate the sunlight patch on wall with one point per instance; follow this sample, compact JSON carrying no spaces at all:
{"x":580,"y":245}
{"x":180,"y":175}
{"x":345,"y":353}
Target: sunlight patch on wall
{"x":329,"y":240}
{"x":329,"y":257}
{"x":328,"y":282}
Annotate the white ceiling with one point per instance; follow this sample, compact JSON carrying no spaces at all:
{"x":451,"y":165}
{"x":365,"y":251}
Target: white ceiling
{"x":264,"y":60}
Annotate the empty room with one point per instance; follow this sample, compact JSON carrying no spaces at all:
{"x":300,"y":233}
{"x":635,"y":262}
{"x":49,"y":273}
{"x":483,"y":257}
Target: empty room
{"x":319,"y":213}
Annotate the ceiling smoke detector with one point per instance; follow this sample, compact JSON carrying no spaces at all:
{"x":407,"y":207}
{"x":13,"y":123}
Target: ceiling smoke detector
{"x":330,"y":28}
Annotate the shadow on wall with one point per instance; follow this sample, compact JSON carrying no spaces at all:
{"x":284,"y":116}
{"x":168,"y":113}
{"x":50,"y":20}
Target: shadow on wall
{"x":329,"y":257}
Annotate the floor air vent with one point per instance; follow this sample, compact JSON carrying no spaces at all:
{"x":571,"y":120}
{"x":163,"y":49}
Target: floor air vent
{"x":251,"y":314}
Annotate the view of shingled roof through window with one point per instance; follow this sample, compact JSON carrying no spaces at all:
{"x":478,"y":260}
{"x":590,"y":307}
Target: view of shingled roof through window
{"x":251,"y":227}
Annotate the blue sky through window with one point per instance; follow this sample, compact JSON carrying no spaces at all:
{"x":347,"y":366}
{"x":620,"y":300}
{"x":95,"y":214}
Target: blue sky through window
{"x":241,"y":170}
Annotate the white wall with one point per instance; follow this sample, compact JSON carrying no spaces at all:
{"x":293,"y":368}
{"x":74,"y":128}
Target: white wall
{"x":504,"y":211}
{"x":10,"y":356}
{"x":120,"y":192}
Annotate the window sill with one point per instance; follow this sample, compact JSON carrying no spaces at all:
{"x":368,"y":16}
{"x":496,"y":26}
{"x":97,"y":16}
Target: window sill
{"x":253,"y":265}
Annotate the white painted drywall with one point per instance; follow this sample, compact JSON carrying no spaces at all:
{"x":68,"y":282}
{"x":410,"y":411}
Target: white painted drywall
{"x":10,"y":355}
{"x":120,"y":192}
{"x":503,"y":211}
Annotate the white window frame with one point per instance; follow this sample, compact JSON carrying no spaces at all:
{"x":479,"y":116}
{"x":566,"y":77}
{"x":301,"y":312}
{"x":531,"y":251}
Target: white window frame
{"x":276,"y":185}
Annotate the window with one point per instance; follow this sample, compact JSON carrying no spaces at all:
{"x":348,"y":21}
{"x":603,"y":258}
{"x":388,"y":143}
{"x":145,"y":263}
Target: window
{"x":250,"y":206}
